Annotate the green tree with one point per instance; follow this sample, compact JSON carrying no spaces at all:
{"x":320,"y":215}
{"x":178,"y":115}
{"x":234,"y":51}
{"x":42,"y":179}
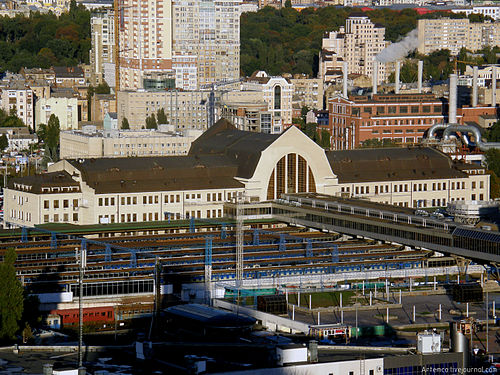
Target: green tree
{"x":493,"y":133}
{"x":4,"y":142}
{"x":102,"y":88}
{"x":161,"y":117}
{"x":49,"y":135}
{"x":493,"y":163}
{"x":325,"y":139}
{"x":125,"y":124}
{"x":11,"y":297}
{"x":288,"y":3}
{"x":151,"y":122}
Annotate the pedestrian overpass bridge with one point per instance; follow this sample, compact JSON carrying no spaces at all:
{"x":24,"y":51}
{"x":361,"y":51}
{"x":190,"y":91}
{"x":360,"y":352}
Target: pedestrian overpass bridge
{"x":381,"y":222}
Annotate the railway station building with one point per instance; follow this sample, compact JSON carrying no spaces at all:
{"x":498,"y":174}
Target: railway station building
{"x":224,"y":162}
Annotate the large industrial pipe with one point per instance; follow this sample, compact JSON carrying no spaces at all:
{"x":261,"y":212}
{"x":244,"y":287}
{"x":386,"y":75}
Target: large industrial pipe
{"x":448,"y":129}
{"x":396,"y":82}
{"x":344,"y":82}
{"x":474,"y":86}
{"x":420,"y":75}
{"x":375,"y":76}
{"x":494,"y":86}
{"x":452,"y":100}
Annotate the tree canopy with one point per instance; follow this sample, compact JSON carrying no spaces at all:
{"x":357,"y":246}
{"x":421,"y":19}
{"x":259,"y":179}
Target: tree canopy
{"x":49,"y":135}
{"x":151,"y":122}
{"x":125,"y":124}
{"x":11,"y":297}
{"x":288,"y":41}
{"x":44,"y":40}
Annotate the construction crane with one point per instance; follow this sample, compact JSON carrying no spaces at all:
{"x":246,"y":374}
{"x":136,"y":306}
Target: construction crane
{"x":456,"y":61}
{"x":211,"y":99}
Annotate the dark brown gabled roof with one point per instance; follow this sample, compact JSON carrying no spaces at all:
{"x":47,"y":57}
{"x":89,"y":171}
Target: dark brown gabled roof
{"x":243,"y":148}
{"x":391,"y":164}
{"x":46,"y":183}
{"x":149,"y":174}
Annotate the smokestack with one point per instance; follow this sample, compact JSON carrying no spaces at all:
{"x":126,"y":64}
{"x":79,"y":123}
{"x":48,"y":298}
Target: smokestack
{"x":420,"y":75}
{"x":494,"y":86}
{"x":474,"y":86}
{"x":452,"y":100}
{"x":375,"y":76}
{"x":396,"y":83}
{"x":344,"y":82}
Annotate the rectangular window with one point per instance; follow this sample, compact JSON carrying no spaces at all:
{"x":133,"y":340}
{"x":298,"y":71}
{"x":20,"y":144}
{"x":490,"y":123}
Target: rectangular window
{"x":414,"y":109}
{"x":106,"y":201}
{"x":437,"y":109}
{"x":178,"y":198}
{"x":150,"y":199}
{"x":112,"y":201}
{"x":391,"y":109}
{"x":129,"y":200}
{"x":144,"y":200}
{"x":75,"y":202}
{"x":156,"y":198}
{"x":122,"y":200}
{"x":426,"y":108}
{"x":46,"y":205}
{"x":66,"y":203}
{"x":380,"y":110}
{"x":481,"y":185}
{"x":100,"y":202}
{"x":403,"y":109}
{"x":56,"y":204}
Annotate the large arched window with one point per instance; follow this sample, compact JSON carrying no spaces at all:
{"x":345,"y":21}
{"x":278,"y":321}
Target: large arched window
{"x":277,"y":97}
{"x":291,"y":174}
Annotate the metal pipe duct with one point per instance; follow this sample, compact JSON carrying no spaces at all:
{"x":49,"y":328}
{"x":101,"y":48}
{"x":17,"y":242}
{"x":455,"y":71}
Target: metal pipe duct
{"x":345,"y":71}
{"x":397,"y":79}
{"x":484,"y":146}
{"x":452,"y":100}
{"x":474,"y":86}
{"x":375,"y":76}
{"x":420,"y":75}
{"x":494,"y":86}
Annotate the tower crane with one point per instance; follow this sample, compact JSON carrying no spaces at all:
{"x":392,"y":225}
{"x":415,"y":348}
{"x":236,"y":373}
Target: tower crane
{"x":211,"y":98}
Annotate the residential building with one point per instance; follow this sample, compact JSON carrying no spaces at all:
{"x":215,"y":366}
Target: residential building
{"x":358,"y":43}
{"x":102,"y":52}
{"x":64,"y":107}
{"x":16,"y":95}
{"x":69,"y":76}
{"x":100,"y":105}
{"x":248,"y":116}
{"x":184,"y":109}
{"x":197,"y":40}
{"x":307,"y":92}
{"x":402,"y":118}
{"x":110,"y":121}
{"x":454,"y":34}
{"x":277,"y":92}
{"x":492,"y":11}
{"x":92,"y":143}
{"x":20,"y":139}
{"x":225,"y":161}
{"x":209,"y":30}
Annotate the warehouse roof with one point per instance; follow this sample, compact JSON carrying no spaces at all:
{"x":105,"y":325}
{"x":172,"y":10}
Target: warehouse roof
{"x":391,"y":164}
{"x":45,"y":183}
{"x":130,"y":175}
{"x":243,"y":147}
{"x":210,"y":316}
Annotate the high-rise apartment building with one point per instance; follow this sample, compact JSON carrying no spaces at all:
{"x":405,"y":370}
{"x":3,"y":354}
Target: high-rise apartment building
{"x":198,"y":40}
{"x":454,"y":34}
{"x":210,"y":31}
{"x":102,"y":53}
{"x":358,"y":43}
{"x":145,"y":29}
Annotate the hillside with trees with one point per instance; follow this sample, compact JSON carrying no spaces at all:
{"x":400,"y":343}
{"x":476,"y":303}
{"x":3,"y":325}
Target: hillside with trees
{"x":44,"y":40}
{"x":286,"y":40}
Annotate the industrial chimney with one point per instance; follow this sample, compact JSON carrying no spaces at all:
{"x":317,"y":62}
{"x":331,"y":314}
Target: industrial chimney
{"x":474,"y":86}
{"x":452,"y":100}
{"x":397,"y":79}
{"x":420,"y":75}
{"x":375,"y":76}
{"x":344,"y":82}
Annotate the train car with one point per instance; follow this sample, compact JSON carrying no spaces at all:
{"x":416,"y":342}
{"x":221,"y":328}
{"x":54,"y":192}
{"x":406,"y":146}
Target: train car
{"x":91,"y":315}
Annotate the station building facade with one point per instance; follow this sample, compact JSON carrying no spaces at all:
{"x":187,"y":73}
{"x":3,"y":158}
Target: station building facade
{"x":224,"y":162}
